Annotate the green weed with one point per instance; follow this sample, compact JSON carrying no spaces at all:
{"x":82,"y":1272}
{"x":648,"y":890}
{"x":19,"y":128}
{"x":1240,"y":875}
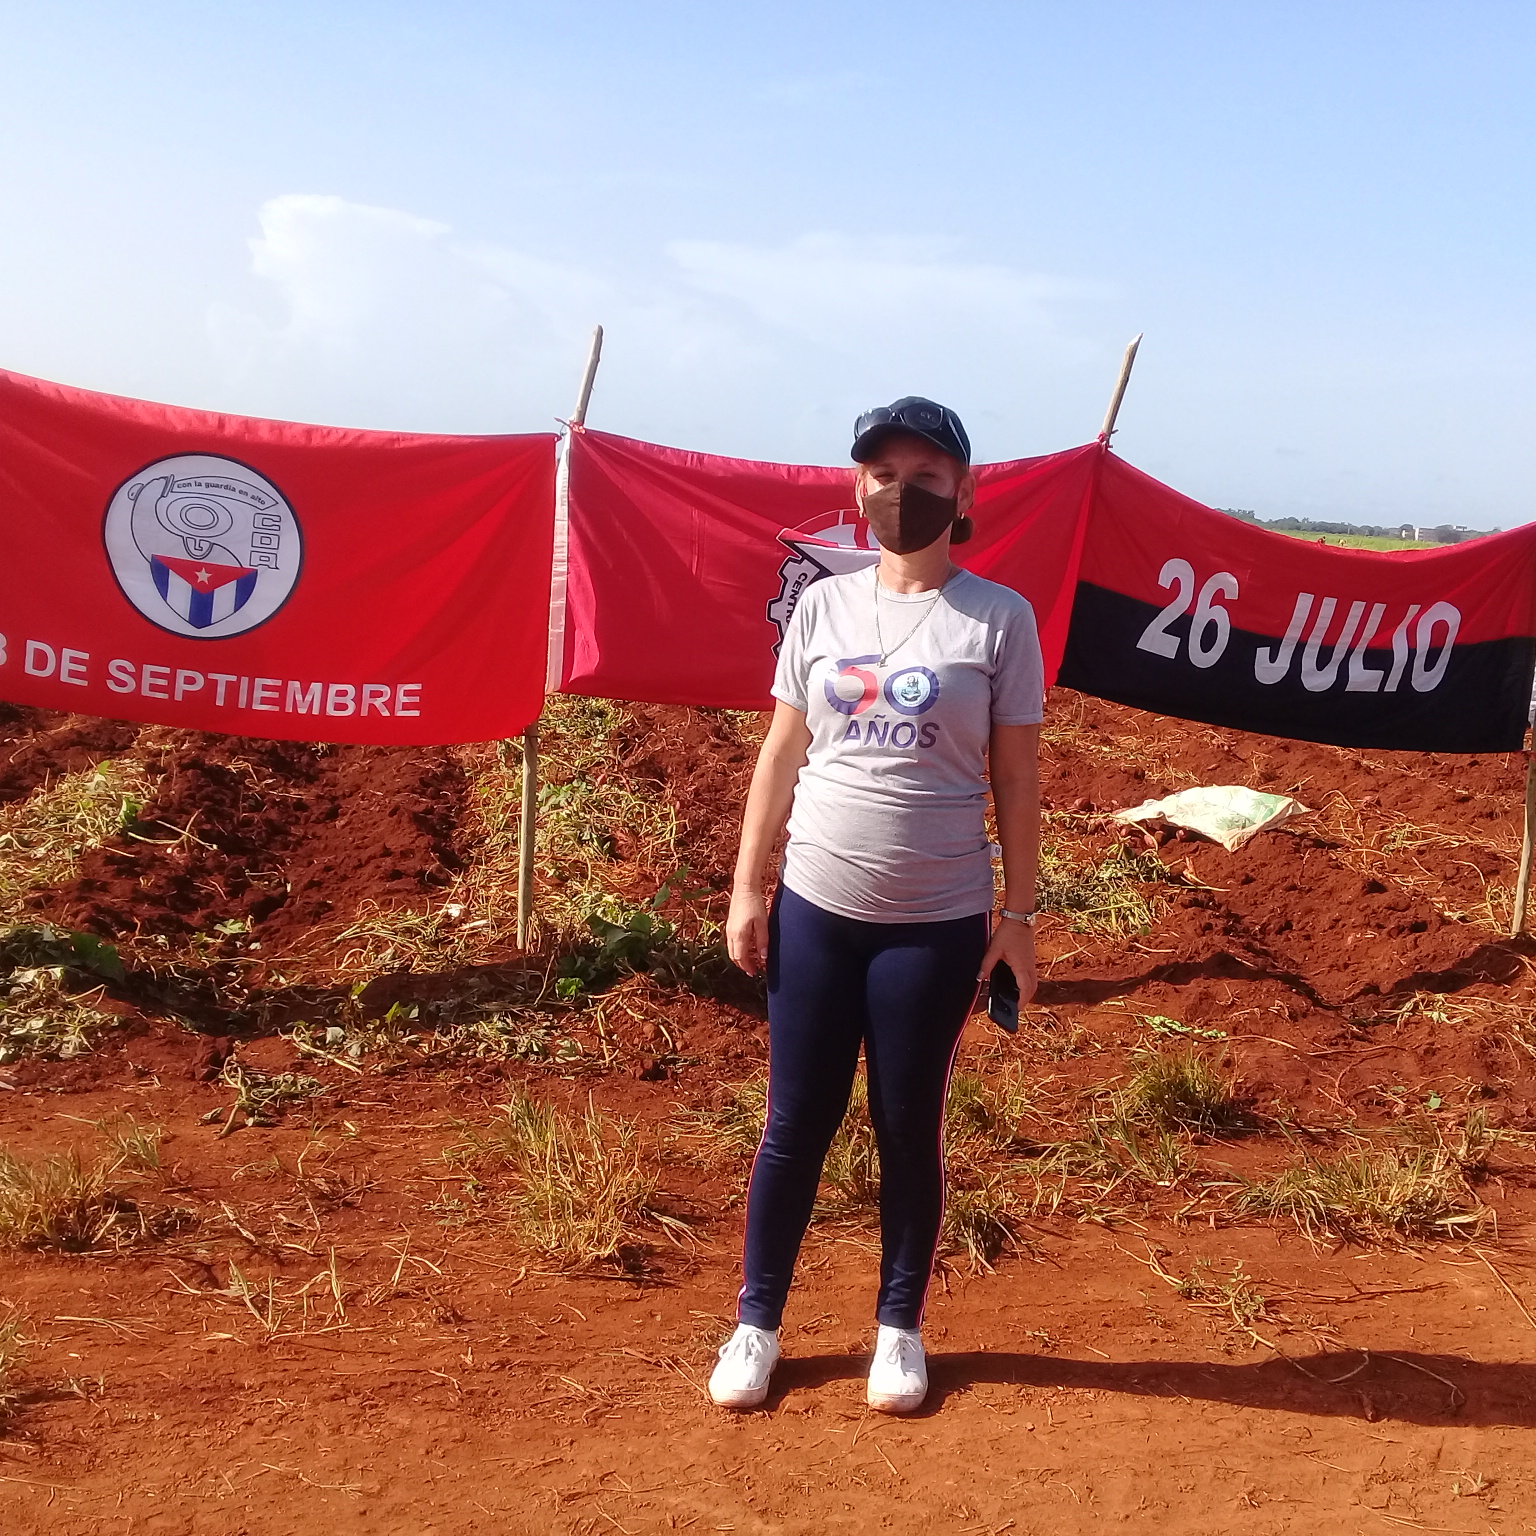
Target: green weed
{"x":851,"y":1173}
{"x":1161,"y":1024}
{"x":137,"y":1146}
{"x":1179,"y":1090}
{"x":261,"y":1098}
{"x":1119,"y":895}
{"x":39,"y":1017}
{"x":1377,"y":1195}
{"x":44,"y":836}
{"x":981,"y":1218}
{"x":629,"y":940}
{"x":986,"y":1112}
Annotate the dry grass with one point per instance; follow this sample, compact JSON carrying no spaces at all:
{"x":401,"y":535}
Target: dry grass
{"x":1121,"y":894}
{"x":137,"y":1146}
{"x":56,"y":1201}
{"x":583,"y":1195}
{"x":727,"y":1133}
{"x":1065,"y":729}
{"x":44,"y":836}
{"x":1383,"y":1194}
{"x":41,"y":1017}
{"x":851,"y":1174}
{"x":1234,"y":1298}
{"x":1380,"y":843}
{"x":13,"y":1347}
{"x":1509,"y":1023}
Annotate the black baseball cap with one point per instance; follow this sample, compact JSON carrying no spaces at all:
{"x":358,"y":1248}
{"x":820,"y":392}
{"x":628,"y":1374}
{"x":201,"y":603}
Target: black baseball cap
{"x":934,"y":423}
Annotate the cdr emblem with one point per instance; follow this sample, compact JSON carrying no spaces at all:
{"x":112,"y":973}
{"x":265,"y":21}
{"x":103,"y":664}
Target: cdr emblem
{"x":203,"y":545}
{"x":828,"y":545}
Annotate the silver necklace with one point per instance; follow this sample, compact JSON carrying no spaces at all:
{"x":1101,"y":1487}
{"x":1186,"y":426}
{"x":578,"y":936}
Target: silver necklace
{"x":889,"y":650}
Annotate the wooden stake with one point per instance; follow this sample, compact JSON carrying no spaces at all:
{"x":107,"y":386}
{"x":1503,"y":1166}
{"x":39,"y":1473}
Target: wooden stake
{"x":527,"y":833}
{"x":1523,"y":888}
{"x":579,"y":415}
{"x":528,"y":826}
{"x":1120,"y":383}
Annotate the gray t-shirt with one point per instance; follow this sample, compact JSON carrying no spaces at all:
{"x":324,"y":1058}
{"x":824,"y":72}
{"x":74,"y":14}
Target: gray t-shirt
{"x":889,"y":818}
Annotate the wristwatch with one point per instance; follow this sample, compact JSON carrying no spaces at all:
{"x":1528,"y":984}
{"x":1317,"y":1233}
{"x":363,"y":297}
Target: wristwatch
{"x":1027,"y":918}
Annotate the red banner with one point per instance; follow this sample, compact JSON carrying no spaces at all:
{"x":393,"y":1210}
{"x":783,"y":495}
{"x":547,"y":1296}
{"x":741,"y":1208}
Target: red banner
{"x":313,"y":583}
{"x":270,"y":579}
{"x":682,"y":568}
{"x":1190,"y":612}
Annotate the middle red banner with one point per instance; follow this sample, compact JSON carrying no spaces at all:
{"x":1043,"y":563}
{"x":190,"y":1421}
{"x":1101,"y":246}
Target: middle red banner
{"x":682,"y":568}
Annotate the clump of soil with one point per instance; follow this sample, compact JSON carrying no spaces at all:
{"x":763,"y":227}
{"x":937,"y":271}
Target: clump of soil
{"x":282,"y":835}
{"x":38,"y":746}
{"x":701,"y":760}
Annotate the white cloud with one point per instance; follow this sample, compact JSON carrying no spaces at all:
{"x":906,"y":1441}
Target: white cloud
{"x":376,"y":317}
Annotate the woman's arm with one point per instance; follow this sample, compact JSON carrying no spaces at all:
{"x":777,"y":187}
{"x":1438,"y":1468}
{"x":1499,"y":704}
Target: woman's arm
{"x":1013,"y":758}
{"x":769,"y":799}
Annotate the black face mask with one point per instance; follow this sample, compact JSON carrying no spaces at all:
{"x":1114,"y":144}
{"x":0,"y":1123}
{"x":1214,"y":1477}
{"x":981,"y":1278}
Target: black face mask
{"x":905,"y":518}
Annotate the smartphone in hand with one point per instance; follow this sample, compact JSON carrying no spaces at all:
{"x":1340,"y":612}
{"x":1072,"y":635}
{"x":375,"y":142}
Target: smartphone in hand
{"x":1003,"y":998}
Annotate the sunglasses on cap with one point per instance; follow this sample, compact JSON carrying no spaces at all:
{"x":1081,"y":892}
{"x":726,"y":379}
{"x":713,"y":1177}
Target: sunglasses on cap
{"x":928,"y":419}
{"x":921,"y":416}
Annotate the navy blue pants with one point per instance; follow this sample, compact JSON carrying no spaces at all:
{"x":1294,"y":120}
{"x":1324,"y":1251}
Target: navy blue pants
{"x":903,"y":991}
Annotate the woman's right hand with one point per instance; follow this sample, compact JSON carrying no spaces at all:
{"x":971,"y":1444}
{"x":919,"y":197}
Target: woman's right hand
{"x":746,"y":931}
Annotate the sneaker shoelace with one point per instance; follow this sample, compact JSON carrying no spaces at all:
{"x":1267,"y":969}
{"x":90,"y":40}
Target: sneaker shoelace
{"x":749,"y":1346}
{"x":902,"y":1352}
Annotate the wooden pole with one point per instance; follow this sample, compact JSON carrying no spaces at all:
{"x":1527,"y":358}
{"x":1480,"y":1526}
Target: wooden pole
{"x":1120,"y":383}
{"x":579,"y":415}
{"x":527,"y":833}
{"x":1523,"y":887}
{"x":528,"y":827}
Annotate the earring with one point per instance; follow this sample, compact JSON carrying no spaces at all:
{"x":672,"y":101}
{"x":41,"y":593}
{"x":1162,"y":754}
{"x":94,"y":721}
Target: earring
{"x":961,"y":529}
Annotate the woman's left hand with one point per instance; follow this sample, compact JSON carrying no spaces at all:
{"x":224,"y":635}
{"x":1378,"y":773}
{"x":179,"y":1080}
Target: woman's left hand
{"x":1013,"y":943}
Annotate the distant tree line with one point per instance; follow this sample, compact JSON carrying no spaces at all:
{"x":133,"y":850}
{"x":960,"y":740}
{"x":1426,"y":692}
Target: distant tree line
{"x":1446,"y":533}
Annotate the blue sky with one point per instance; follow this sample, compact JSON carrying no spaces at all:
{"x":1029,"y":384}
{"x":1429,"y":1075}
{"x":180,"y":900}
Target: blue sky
{"x":411,"y":215}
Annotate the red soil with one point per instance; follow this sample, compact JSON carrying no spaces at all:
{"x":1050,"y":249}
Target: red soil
{"x":452,"y":1388}
{"x":275,"y":833}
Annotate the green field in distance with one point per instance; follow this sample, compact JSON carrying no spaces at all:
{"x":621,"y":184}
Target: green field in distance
{"x":1358,"y":540}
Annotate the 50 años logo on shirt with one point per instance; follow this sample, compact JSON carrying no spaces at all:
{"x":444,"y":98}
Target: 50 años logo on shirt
{"x":909,"y":691}
{"x":202,"y":545}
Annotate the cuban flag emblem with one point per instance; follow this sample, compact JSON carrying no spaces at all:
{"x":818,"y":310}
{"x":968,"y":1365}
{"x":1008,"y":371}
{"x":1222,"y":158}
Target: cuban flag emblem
{"x":201,"y":591}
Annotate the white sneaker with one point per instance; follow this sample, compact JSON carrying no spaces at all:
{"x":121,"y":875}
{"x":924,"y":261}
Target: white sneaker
{"x":898,"y":1375}
{"x":747,"y":1360}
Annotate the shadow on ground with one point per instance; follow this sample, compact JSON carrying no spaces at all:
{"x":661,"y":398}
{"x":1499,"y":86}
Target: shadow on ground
{"x":1407,"y":1388}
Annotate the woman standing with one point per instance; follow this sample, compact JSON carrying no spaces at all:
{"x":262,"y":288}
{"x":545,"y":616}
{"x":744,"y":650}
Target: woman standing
{"x":897,"y":686}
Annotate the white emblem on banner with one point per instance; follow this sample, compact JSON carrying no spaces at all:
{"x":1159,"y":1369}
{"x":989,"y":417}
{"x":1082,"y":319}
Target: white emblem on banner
{"x":830,"y":545}
{"x":203,"y":545}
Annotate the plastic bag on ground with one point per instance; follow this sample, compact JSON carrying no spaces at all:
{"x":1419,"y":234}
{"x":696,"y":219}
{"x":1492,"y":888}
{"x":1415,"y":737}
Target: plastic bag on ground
{"x":1228,"y":814}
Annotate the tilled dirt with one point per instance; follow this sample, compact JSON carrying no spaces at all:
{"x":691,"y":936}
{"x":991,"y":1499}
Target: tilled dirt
{"x":278,"y":834}
{"x":344,"y":1332}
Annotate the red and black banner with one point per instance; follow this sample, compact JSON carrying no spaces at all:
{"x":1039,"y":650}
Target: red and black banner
{"x":1189,"y":612}
{"x":264,"y":578}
